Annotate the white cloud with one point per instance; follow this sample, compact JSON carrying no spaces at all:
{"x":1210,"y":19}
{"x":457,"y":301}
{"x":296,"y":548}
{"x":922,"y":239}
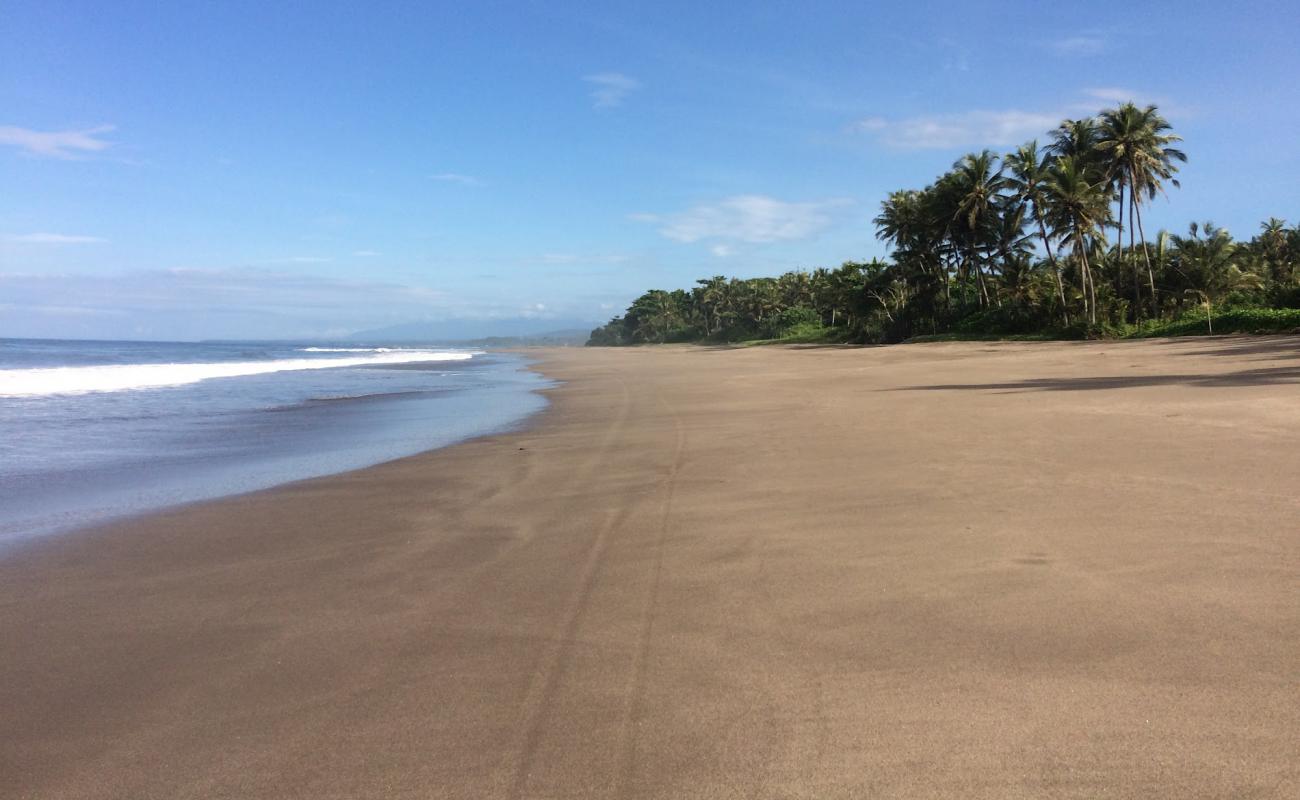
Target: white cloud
{"x":365,"y":253}
{"x":721,"y":250}
{"x":963,"y":129}
{"x":746,"y":218}
{"x":52,"y":238}
{"x":55,"y":144}
{"x":1113,"y":94}
{"x":611,"y":88}
{"x":994,"y":128}
{"x":455,"y":177}
{"x":1081,"y":45}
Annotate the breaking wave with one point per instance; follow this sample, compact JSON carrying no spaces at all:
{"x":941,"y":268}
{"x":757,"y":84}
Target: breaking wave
{"x":125,"y":377}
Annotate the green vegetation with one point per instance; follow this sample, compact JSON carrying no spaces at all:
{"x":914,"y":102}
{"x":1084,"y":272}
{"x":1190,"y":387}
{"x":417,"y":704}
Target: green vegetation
{"x":1027,"y":245}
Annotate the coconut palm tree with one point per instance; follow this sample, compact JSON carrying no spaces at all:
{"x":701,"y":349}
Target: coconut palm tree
{"x":1207,"y":259}
{"x":1077,"y":139}
{"x":909,"y":222}
{"x":979,"y":183}
{"x":1077,"y":210}
{"x":1149,"y":164}
{"x":1028,"y":182}
{"x":709,"y":295}
{"x":1136,"y":146}
{"x":1121,"y":139}
{"x":1274,"y":247}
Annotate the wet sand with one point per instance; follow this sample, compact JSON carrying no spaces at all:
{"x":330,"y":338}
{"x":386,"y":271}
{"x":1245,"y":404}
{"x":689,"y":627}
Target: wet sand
{"x":951,"y":570}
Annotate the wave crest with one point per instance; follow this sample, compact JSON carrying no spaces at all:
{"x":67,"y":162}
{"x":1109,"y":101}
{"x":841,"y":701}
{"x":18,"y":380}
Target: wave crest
{"x":124,"y":377}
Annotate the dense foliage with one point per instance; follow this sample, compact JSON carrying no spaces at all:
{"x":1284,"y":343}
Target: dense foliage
{"x":1030,"y":242}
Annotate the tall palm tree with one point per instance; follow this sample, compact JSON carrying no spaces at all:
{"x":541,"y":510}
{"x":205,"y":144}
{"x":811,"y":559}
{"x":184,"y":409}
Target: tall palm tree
{"x":1273,"y":243}
{"x":979,"y":184}
{"x":1028,"y":182}
{"x":1077,"y":209}
{"x":1137,"y":146}
{"x":909,"y":223}
{"x":1156,"y":166}
{"x":1077,"y":139}
{"x":900,"y":216}
{"x":1122,"y":136}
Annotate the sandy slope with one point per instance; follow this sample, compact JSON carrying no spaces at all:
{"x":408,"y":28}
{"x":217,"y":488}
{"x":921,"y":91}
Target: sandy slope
{"x":961,"y":570}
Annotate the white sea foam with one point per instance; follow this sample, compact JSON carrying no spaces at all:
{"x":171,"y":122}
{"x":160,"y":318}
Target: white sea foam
{"x":350,"y":349}
{"x":123,"y":377}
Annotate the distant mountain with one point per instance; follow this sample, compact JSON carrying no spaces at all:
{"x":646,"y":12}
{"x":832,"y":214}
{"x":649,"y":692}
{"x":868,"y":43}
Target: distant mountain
{"x":571,"y":338}
{"x":487,"y":331}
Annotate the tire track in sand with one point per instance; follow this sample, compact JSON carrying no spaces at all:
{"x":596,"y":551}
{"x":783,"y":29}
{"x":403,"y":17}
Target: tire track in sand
{"x":634,"y":708}
{"x":539,"y":700}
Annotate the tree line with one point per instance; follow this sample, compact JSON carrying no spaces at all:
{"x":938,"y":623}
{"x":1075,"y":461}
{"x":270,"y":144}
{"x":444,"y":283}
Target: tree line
{"x":1028,"y":242}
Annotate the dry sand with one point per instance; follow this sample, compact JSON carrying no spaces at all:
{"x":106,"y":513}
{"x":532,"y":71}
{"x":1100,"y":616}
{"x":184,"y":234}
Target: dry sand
{"x":952,"y":570}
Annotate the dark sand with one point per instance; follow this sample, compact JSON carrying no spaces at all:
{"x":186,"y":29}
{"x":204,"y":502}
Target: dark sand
{"x":956,"y":570}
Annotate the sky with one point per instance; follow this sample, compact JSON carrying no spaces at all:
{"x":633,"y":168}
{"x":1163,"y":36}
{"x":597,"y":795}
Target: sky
{"x":311,"y":169}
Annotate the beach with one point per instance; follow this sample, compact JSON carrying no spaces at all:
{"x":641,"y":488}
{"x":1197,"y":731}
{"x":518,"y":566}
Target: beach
{"x":966,"y":570}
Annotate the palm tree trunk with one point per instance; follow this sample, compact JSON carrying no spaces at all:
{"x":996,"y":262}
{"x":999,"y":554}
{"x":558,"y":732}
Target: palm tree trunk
{"x":1056,"y":272}
{"x":1151,"y":275}
{"x":1119,"y":239}
{"x":961,"y":280}
{"x":1085,"y":276}
{"x":1137,"y":277}
{"x":979,"y":282}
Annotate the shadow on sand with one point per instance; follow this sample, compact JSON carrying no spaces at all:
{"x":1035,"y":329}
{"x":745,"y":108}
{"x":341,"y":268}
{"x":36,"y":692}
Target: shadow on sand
{"x":1255,"y":348}
{"x":1269,"y":376}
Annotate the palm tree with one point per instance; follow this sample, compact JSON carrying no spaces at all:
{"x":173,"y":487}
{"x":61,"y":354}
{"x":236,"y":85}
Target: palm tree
{"x":979,"y":183}
{"x":1207,"y":260}
{"x":1077,"y":139}
{"x":711,"y":295}
{"x":1122,"y":137}
{"x":1077,"y":210}
{"x":1137,"y":147}
{"x":911,"y":222}
{"x":1273,"y":246}
{"x":1028,"y":181}
{"x":795,"y":289}
{"x":654,"y":315}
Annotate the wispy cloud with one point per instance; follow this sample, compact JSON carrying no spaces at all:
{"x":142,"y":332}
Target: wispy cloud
{"x":611,"y":88}
{"x":51,"y":238}
{"x":299,"y":260}
{"x":365,"y":253}
{"x":1116,"y":94}
{"x":994,"y":128}
{"x":1080,"y":45}
{"x":455,"y":177}
{"x":962,"y":129}
{"x":208,"y":302}
{"x":580,"y":259}
{"x":56,"y":144}
{"x":753,"y":218}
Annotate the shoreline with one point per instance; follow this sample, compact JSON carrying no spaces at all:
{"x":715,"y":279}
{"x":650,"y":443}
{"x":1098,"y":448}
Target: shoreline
{"x":326,"y":436}
{"x":1008,"y":570}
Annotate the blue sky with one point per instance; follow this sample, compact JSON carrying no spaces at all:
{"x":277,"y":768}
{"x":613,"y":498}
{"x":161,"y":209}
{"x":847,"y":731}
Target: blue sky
{"x":307,"y":169}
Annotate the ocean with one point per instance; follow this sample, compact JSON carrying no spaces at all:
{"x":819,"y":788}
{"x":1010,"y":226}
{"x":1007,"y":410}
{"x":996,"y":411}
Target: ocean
{"x":92,"y":430}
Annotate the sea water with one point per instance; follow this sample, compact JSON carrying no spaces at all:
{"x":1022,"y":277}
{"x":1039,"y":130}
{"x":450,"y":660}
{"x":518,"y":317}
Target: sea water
{"x":94,"y":430}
